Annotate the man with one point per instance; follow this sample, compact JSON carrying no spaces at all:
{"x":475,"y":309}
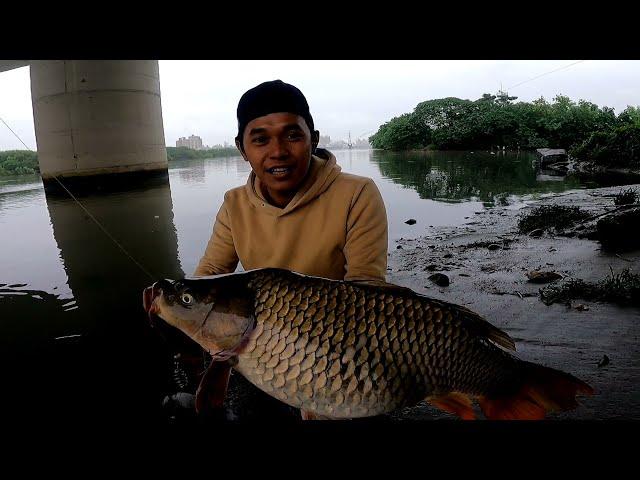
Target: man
{"x":297,"y":211}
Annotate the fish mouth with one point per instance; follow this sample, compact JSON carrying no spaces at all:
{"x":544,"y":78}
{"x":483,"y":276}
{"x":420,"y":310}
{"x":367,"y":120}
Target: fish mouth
{"x":150,"y":297}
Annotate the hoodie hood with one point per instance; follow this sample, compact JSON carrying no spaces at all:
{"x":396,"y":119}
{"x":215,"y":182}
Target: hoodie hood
{"x":323,"y":170}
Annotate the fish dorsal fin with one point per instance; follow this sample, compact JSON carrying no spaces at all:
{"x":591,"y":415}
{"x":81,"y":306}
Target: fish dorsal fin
{"x":482,"y":327}
{"x":382,"y":284}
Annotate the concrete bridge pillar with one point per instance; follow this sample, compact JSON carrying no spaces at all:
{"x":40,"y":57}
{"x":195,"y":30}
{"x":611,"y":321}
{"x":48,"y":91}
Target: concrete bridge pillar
{"x":97,"y":118}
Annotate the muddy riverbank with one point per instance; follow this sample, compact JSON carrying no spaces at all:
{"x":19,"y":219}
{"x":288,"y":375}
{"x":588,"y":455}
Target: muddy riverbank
{"x":486,"y":261}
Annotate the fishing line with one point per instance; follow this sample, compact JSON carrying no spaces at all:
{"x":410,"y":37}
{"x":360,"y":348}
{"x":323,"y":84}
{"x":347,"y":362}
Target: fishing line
{"x":88,"y":212}
{"x":543,"y":74}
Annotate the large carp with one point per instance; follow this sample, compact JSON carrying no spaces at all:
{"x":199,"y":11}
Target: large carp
{"x":343,"y":349}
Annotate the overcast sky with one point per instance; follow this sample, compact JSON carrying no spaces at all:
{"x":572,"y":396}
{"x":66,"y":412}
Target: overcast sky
{"x":200,"y":97}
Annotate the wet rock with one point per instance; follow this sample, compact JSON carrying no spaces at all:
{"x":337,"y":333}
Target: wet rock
{"x":399,"y":247}
{"x":411,"y":221}
{"x":494,"y":246}
{"x":440,"y":279}
{"x":432,"y":268}
{"x":605,"y":361}
{"x":543,"y":277}
{"x":581,"y":308}
{"x":620,"y":229}
{"x":536,"y":233}
{"x":447,"y":255}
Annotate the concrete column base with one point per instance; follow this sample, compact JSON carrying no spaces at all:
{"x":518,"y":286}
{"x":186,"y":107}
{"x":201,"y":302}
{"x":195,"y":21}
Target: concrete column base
{"x":97,"y":118}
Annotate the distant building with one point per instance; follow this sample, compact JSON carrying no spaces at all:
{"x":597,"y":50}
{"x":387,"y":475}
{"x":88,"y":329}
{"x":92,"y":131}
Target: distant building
{"x":362,"y":143}
{"x":194,"y":142}
{"x":344,"y":145}
{"x":325,"y":140}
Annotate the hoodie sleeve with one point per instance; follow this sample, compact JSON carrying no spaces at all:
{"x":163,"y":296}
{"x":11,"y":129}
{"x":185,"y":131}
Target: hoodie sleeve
{"x":220,"y":255}
{"x":366,"y":244}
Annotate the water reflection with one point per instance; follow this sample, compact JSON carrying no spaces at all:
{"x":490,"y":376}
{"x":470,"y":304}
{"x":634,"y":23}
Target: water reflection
{"x":456,"y":176}
{"x":107,"y":350}
{"x":194,"y":173}
{"x":98,"y":271}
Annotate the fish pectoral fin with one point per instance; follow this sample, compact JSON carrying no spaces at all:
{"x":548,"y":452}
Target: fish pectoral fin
{"x":457,"y":403}
{"x":213,"y":387}
{"x":307,"y":415}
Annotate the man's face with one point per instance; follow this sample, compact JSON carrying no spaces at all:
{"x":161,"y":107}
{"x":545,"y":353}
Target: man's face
{"x":278,"y":146}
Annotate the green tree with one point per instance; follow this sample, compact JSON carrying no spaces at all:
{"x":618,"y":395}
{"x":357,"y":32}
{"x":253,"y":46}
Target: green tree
{"x":18,"y":162}
{"x":405,"y":132}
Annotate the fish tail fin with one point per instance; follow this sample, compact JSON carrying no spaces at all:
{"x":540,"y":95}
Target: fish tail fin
{"x":541,"y":390}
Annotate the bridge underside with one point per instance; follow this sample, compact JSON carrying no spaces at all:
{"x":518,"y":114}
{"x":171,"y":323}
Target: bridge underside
{"x":96,"y":121}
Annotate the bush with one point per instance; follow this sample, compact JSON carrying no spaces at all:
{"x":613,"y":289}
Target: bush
{"x":619,"y":147}
{"x":622,"y":288}
{"x":551,"y":216}
{"x":626,"y":197}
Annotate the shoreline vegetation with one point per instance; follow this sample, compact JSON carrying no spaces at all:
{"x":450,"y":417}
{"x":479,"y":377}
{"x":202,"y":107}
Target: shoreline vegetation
{"x":25,"y":162}
{"x":589,"y":133}
{"x":18,"y":162}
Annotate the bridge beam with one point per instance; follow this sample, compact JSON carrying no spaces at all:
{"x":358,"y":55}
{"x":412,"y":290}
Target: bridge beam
{"x":94,"y":119}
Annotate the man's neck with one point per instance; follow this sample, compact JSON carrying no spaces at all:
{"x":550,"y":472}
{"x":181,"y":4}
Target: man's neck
{"x":278,"y":199}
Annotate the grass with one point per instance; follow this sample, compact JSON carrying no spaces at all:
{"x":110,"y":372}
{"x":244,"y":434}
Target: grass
{"x":622,"y":288}
{"x":551,"y":216}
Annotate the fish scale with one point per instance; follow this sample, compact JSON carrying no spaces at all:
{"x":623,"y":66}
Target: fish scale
{"x":351,"y":393}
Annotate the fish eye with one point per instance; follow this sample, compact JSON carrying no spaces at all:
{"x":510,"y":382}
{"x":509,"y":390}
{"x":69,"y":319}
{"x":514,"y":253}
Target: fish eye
{"x":186,"y":298}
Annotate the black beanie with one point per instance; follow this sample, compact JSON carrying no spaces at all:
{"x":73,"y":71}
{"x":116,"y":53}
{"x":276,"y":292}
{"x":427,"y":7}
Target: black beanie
{"x":271,"y":97}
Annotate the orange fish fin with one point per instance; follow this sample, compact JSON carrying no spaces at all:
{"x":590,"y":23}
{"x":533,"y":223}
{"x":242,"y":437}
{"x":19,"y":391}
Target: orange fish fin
{"x":543,"y":390}
{"x":307,"y":415}
{"x":212,"y":389}
{"x":454,"y":402}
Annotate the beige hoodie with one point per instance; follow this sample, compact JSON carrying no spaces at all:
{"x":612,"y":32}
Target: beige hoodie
{"x":334,"y":227}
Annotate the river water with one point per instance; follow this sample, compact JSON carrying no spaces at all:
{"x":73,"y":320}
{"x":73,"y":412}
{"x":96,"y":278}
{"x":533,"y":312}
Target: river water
{"x":70,"y":298}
